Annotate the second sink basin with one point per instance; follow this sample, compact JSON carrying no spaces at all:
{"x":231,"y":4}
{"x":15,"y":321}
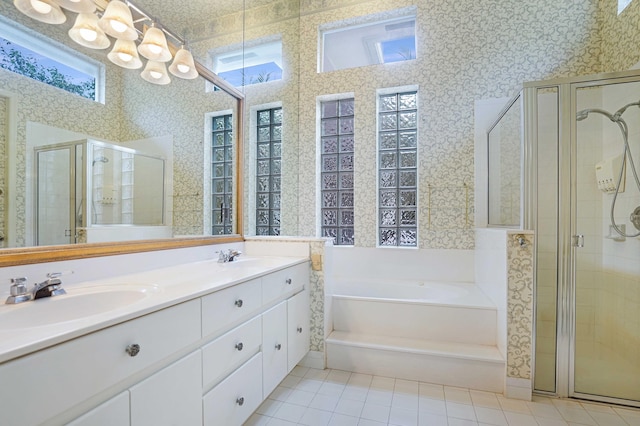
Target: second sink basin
{"x":77,"y":304}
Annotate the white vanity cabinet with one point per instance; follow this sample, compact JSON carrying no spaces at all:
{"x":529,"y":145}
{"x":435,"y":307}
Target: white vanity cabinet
{"x":113,"y":412}
{"x":199,"y":362}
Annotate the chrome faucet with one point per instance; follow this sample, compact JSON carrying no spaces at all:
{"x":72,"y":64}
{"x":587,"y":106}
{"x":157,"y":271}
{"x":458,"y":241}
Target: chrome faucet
{"x":19,"y":291}
{"x":228,"y":256}
{"x":51,"y":287}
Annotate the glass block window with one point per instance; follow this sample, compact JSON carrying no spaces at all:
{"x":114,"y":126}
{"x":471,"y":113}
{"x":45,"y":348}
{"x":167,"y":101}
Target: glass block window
{"x":222,"y":174}
{"x":397,"y":169}
{"x":336,"y":173}
{"x":268,"y":195}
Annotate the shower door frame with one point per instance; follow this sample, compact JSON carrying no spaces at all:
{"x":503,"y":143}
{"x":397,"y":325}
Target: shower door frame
{"x":567,"y":208}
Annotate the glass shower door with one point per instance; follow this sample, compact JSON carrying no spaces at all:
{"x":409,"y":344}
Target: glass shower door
{"x":606,"y":361}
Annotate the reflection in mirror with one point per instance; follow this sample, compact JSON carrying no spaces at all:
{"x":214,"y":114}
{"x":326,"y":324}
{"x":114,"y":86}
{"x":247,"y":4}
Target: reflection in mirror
{"x":158,"y":139}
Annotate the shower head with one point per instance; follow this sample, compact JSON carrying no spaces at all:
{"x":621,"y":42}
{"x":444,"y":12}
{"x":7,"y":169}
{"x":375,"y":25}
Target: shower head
{"x":100,"y":159}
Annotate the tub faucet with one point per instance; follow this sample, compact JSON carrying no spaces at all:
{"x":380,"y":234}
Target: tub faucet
{"x":228,"y":256}
{"x":52,"y":286}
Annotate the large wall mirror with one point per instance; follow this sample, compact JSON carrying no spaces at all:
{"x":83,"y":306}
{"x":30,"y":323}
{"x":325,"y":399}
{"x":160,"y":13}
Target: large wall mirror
{"x":144,"y":166}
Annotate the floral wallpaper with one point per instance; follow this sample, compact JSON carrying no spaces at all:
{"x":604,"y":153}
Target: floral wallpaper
{"x":519,"y":305}
{"x":466,"y":51}
{"x":620,"y":35}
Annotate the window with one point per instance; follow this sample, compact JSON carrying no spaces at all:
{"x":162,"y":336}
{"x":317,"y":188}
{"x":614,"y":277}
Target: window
{"x":377,"y":42}
{"x":256,"y":64}
{"x":397,"y":169}
{"x":50,"y":63}
{"x":336,"y":170}
{"x":269,"y":137}
{"x":222,"y":174}
{"x":622,"y":4}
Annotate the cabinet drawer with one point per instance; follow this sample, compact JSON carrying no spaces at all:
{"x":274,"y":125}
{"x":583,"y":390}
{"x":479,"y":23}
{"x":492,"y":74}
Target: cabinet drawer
{"x":282,"y":284}
{"x":225,"y":308}
{"x":230,"y":350}
{"x":65,"y":375}
{"x":236,"y":397}
{"x":113,"y":412}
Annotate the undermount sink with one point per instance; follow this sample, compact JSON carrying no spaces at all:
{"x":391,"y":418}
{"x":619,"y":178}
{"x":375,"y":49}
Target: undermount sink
{"x":77,"y":304}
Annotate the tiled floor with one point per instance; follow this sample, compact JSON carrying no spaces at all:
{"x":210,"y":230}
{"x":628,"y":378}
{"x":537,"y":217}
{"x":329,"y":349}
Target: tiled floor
{"x":334,"y":397}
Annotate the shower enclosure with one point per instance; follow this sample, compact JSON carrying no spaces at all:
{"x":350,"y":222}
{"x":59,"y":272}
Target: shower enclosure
{"x":85,"y":185}
{"x":562,"y":161}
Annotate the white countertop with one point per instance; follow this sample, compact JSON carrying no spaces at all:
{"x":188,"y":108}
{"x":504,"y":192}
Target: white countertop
{"x":163,"y":287}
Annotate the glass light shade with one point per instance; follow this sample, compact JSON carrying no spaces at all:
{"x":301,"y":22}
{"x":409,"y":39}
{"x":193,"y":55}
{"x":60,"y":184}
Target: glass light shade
{"x":78,"y":6}
{"x":183,"y":65}
{"x":156,"y":72}
{"x":118,"y":22}
{"x":45,"y":11}
{"x":87,"y":33}
{"x":154,"y":45}
{"x":125,"y":55}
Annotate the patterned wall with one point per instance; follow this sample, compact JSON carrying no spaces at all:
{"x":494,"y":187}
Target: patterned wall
{"x":620,"y":35}
{"x":467,"y":51}
{"x":519,"y":305}
{"x":3,"y":171}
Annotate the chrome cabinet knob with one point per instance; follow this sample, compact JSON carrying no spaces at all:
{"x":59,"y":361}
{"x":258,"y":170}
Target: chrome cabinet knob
{"x":288,"y":281}
{"x":299,"y":329}
{"x":133,"y":349}
{"x":240,"y":401}
{"x":239,"y":346}
{"x":278,"y":346}
{"x":239,"y":303}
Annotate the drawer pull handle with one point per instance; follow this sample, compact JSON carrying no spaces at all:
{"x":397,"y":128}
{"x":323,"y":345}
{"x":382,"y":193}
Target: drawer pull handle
{"x":299,"y":329}
{"x":240,"y":401}
{"x":239,"y":303}
{"x":133,"y":350}
{"x":288,"y":281}
{"x":239,"y":346}
{"x":278,"y":346}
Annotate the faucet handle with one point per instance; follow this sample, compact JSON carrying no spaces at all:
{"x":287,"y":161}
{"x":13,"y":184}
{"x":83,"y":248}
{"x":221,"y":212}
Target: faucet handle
{"x":19,"y":291}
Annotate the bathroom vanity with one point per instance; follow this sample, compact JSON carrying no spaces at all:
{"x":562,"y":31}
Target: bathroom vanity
{"x":205,"y":344}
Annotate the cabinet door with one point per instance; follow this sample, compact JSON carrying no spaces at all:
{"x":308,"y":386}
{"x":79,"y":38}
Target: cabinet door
{"x":274,"y":347}
{"x":114,"y":412}
{"x":172,"y":396}
{"x":298,"y":328}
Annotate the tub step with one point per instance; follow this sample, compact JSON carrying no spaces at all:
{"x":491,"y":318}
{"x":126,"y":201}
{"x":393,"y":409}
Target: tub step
{"x":474,"y":366}
{"x":452,"y":323}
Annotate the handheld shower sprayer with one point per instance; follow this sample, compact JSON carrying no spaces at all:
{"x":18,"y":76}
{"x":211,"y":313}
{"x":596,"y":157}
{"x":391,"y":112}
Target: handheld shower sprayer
{"x":624,"y":129}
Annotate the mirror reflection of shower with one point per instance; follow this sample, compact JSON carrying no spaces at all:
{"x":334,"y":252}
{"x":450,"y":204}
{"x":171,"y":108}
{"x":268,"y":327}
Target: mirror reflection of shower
{"x":616,"y":118}
{"x":100,"y":159}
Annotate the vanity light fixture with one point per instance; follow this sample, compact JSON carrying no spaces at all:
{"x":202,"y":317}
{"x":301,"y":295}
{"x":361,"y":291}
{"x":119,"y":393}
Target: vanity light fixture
{"x":78,"y":6}
{"x":86,"y":32}
{"x":154,"y":45}
{"x":118,"y":22}
{"x":125,"y":55}
{"x":183,"y":65}
{"x":46,"y":11}
{"x":156,"y":72}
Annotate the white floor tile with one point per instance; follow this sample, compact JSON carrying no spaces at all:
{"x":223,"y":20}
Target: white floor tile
{"x":290,"y":381}
{"x":545,"y":421}
{"x":629,"y":415}
{"x":360,"y":379}
{"x":410,"y":387}
{"x":280,"y":422}
{"x":383,"y":383}
{"x":269,"y":407}
{"x":485,"y":399}
{"x":429,"y":419}
{"x":342,"y":420}
{"x":459,"y":395}
{"x":315,"y":374}
{"x":514,"y":405}
{"x":403,"y":417}
{"x":433,"y":406}
{"x":460,"y":411}
{"x":491,"y":416}
{"x":365,"y":422}
{"x":324,"y":402}
{"x":576,"y":415}
{"x":314,"y":417}
{"x":354,"y":392}
{"x":349,"y":407}
{"x":461,"y":422}
{"x":330,"y":388}
{"x":379,"y":397}
{"x":309,"y":385}
{"x":519,"y":419}
{"x":379,"y":413}
{"x":299,"y":371}
{"x":338,"y":376}
{"x":280,"y":393}
{"x":539,"y":409}
{"x":430,"y":390}
{"x":406,"y":401}
{"x":257,"y":420}
{"x":290,"y":412}
{"x":300,"y":397}
{"x":607,"y":419}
